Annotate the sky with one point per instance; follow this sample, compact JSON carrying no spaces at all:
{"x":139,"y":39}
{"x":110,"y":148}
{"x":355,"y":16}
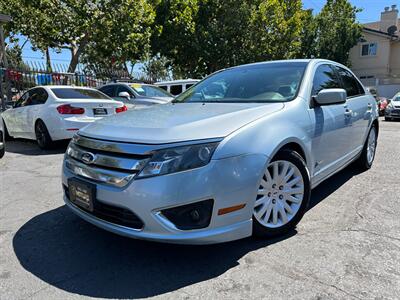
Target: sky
{"x":371,"y":10}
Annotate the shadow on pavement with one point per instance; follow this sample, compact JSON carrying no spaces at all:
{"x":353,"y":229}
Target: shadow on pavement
{"x":30,"y":147}
{"x":66,"y":252}
{"x":331,"y":185}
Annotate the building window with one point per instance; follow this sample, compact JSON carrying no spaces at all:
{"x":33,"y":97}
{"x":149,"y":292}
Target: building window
{"x":369,"y":49}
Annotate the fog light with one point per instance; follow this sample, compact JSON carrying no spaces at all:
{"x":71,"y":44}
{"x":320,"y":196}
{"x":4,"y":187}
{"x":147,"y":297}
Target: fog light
{"x":191,"y":216}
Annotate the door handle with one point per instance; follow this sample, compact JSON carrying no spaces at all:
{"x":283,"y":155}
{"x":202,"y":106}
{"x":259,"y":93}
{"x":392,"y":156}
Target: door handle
{"x":348,"y":112}
{"x":369,"y":106}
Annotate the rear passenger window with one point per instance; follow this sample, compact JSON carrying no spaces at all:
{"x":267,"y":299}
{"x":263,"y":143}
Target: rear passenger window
{"x":324,"y":78}
{"x":108,"y":90}
{"x":39,"y":97}
{"x":350,"y":83}
{"x":176,"y":89}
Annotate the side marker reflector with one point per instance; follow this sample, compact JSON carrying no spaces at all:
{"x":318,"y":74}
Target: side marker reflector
{"x":228,"y":210}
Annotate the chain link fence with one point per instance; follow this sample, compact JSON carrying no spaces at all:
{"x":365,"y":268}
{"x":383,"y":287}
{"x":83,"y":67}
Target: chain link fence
{"x":16,"y":80}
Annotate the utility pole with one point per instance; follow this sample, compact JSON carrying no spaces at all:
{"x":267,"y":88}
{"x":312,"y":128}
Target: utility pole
{"x":4,"y":63}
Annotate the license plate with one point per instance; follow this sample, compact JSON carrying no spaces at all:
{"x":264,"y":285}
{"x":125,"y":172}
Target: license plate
{"x":81,"y":193}
{"x":99,"y":111}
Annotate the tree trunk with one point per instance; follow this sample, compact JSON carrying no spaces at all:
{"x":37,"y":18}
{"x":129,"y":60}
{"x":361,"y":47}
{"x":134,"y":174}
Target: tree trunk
{"x":48,"y":61}
{"x":76,"y":52}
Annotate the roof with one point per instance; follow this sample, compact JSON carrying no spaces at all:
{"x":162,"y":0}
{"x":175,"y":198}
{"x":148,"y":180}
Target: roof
{"x":373,"y":31}
{"x":177,"y":81}
{"x":374,"y":25}
{"x":64,"y":87}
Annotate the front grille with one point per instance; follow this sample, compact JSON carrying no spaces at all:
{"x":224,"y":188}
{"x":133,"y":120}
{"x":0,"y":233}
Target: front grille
{"x":104,"y":161}
{"x":113,"y":214}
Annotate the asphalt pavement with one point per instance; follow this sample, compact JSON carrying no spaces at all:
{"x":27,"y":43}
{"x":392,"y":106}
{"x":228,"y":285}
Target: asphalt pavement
{"x":346,"y":247}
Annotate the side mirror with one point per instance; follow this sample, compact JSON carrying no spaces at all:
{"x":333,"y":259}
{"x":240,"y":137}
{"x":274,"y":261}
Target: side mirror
{"x":331,"y":96}
{"x":124,"y":95}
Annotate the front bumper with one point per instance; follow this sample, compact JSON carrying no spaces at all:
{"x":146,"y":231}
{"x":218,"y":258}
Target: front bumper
{"x":229,"y":182}
{"x":392,"y":113}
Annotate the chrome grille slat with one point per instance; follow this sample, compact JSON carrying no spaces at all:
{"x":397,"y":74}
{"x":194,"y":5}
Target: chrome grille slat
{"x":128,"y":148}
{"x":110,"y":160}
{"x":119,"y":179}
{"x":108,"y":163}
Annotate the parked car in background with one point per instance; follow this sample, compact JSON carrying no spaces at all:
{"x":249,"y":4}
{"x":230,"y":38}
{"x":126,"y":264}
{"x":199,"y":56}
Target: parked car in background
{"x":392,"y":110}
{"x":237,"y":154}
{"x":50,"y":113}
{"x":382,"y":104}
{"x":136,"y":95}
{"x":2,"y":138}
{"x":177,"y":87}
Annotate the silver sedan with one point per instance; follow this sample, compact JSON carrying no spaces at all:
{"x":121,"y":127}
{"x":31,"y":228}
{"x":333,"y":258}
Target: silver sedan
{"x":235,"y":155}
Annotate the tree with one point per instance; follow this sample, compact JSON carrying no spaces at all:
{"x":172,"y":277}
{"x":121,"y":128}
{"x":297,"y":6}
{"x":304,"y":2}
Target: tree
{"x":156,"y":68}
{"x":333,"y":32}
{"x":95,"y":28}
{"x":203,"y":36}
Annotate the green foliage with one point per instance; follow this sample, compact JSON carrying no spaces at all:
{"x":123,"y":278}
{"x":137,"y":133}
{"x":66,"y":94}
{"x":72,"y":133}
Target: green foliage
{"x":156,"y":68}
{"x":203,"y":36}
{"x":333,"y":32}
{"x":192,"y":38}
{"x":98,"y":29}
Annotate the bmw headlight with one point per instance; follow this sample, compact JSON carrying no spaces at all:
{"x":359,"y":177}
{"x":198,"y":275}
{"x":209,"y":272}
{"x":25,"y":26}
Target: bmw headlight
{"x":172,"y":160}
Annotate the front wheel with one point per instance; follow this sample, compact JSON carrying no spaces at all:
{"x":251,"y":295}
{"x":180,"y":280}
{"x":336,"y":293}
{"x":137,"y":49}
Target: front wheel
{"x":283,"y":195}
{"x":388,"y":119}
{"x":42,"y":135}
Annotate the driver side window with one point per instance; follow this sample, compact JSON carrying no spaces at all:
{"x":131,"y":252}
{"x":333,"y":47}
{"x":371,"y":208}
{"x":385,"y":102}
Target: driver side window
{"x":23,"y":100}
{"x":324,"y":78}
{"x":122,"y":88}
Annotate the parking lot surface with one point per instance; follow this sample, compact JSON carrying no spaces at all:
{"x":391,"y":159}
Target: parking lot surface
{"x":346,"y":247}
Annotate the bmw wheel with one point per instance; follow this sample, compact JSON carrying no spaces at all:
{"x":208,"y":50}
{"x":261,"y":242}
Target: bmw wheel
{"x":283,"y":195}
{"x":42,"y":135}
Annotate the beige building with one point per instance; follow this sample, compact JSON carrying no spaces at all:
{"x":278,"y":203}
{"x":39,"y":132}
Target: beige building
{"x":376,"y":58}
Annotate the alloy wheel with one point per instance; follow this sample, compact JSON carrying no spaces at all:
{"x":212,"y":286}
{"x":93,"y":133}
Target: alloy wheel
{"x":40,"y":134}
{"x":371,"y":146}
{"x":280,"y":194}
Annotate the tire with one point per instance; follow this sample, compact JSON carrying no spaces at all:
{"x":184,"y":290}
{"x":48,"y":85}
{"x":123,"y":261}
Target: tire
{"x":272,"y":196}
{"x":3,"y":151}
{"x":367,"y":156}
{"x":388,"y":119}
{"x":42,"y":135}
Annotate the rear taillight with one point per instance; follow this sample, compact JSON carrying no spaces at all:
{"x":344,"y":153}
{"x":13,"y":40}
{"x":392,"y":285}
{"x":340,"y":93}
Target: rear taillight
{"x":121,"y":109}
{"x":67,"y":109}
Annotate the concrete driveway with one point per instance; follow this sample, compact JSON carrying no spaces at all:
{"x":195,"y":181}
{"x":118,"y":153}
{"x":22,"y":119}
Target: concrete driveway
{"x":347,"y":246}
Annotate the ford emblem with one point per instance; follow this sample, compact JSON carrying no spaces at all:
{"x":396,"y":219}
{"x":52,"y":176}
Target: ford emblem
{"x":88,"y":158}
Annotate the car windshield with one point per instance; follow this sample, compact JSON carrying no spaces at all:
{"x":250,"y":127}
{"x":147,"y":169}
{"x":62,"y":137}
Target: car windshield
{"x":77,"y":93}
{"x":266,"y":82}
{"x":396,"y":98}
{"x":150,"y":91}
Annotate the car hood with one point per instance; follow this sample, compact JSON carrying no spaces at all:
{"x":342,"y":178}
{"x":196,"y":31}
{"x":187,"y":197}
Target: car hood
{"x":178,"y":122}
{"x":395,"y":103}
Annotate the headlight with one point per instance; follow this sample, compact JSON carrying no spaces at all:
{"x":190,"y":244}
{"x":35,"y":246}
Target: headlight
{"x":178,"y":159}
{"x":390,"y":105}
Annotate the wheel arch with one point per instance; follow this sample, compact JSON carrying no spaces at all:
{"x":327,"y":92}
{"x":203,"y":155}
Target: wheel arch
{"x":294,"y":147}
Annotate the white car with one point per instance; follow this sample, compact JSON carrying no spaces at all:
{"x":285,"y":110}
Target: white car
{"x":50,"y":113}
{"x":176,"y":87}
